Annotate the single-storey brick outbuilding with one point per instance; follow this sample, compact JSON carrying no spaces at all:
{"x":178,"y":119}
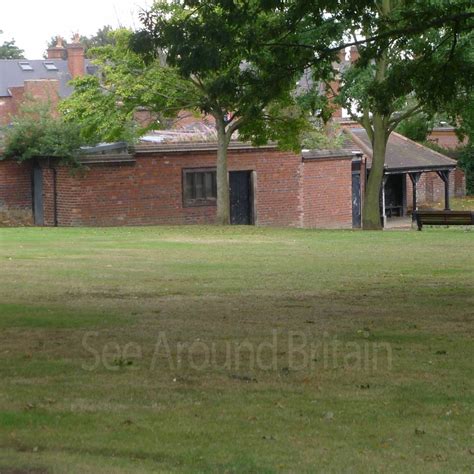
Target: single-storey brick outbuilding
{"x":175,"y":184}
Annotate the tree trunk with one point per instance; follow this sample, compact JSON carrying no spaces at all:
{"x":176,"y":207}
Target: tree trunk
{"x":222,"y":175}
{"x":371,"y":212}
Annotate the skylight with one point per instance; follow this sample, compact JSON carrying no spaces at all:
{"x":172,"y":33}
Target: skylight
{"x":25,"y":66}
{"x":50,"y":66}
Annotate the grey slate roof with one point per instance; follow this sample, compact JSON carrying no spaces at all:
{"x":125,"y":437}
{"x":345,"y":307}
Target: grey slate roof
{"x":403,"y":155}
{"x":11,"y":74}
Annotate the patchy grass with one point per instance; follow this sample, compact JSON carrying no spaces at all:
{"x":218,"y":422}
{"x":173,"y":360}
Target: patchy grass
{"x":465,"y":203}
{"x":140,"y":350}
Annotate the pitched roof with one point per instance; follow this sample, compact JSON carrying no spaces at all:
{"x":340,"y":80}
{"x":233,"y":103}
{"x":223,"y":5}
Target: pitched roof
{"x":12,"y":74}
{"x":402,"y":155}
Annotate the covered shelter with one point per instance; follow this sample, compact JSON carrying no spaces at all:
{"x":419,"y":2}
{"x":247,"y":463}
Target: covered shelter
{"x":404,"y":158}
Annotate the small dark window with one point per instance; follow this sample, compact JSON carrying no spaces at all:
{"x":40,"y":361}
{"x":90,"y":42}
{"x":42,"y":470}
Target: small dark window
{"x":199,"y":187}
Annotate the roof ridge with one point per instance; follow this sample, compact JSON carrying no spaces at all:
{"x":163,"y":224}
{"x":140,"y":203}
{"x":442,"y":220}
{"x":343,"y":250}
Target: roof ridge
{"x":367,"y":150}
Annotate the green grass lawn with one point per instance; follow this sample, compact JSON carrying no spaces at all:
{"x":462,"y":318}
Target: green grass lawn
{"x":202,"y":349}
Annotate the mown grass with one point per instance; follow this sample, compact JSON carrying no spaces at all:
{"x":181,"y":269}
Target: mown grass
{"x":93,"y":380}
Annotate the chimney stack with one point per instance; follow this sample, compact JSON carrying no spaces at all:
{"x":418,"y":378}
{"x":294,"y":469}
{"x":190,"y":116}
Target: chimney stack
{"x":58,"y":51}
{"x":76,"y":57}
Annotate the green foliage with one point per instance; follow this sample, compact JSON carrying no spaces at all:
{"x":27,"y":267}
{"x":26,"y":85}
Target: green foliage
{"x":225,"y":49}
{"x":416,"y":128}
{"x":466,"y":163}
{"x":415,"y":57}
{"x":104,"y":105}
{"x":36,"y":133}
{"x":323,"y":137}
{"x":430,"y":69}
{"x":9,"y":50}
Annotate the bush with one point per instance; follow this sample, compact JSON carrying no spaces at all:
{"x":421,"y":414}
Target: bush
{"x":416,"y":128}
{"x":35,"y":133}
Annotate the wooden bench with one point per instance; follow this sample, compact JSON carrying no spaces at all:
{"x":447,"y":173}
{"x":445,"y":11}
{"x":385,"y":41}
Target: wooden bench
{"x":431,"y":217}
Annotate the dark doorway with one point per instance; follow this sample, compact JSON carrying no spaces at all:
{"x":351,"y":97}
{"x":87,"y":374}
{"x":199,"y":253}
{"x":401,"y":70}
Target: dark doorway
{"x":394,"y":195}
{"x":241,"y":202}
{"x":38,"y":211}
{"x":356,"y":201}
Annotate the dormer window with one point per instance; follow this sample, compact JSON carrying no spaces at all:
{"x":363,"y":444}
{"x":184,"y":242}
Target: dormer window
{"x":50,"y":66}
{"x":25,"y":66}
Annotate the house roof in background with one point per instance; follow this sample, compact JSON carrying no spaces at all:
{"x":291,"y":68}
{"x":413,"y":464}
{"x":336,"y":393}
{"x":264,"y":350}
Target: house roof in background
{"x":12,"y":74}
{"x":402,"y":155}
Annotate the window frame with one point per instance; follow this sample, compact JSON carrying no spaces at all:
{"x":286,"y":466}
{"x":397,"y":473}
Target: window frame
{"x":50,"y":66}
{"x":196,"y":202}
{"x":25,"y":66}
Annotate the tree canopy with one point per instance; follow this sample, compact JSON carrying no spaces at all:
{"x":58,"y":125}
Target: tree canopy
{"x":104,"y":105}
{"x":239,"y":62}
{"x":9,"y":50}
{"x":36,"y":133}
{"x":399,"y":77}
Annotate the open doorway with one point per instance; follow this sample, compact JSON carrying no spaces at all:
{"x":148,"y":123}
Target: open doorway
{"x":395,"y":192}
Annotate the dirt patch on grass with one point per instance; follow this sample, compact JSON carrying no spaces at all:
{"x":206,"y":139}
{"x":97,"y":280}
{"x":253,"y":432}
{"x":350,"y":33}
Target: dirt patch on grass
{"x":15,"y":218}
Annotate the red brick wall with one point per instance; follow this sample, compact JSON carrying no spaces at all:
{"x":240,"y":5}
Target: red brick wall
{"x":327,"y":190}
{"x":76,"y":59}
{"x":7,"y":109}
{"x":430,"y":188}
{"x":15,"y":185}
{"x":288,"y":192}
{"x":150,"y":191}
{"x":459,"y":183}
{"x":45,"y":90}
{"x":445,"y":138}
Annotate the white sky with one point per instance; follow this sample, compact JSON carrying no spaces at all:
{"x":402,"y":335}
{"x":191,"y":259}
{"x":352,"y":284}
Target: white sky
{"x":33,"y":22}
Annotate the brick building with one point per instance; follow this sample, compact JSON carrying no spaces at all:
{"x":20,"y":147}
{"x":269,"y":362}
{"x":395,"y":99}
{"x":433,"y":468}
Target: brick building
{"x":415,"y":175}
{"x":175,"y":184}
{"x":42,"y":79}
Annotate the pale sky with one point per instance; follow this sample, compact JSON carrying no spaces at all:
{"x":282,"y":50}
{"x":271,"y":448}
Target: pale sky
{"x":33,"y":22}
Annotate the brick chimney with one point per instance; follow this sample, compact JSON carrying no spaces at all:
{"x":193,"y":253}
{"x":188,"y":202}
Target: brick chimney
{"x":58,"y":51}
{"x":76,"y":57}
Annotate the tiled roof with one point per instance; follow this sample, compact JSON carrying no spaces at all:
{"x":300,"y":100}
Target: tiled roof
{"x":402,"y":154}
{"x":12,"y":75}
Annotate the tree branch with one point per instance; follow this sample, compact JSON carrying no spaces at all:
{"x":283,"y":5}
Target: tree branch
{"x":367,"y":124}
{"x":234,"y":126}
{"x":394,"y":122}
{"x":397,"y":32}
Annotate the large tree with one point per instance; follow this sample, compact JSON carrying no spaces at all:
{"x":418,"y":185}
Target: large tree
{"x":397,"y":77}
{"x":412,"y":52}
{"x":216,"y":46}
{"x":205,"y":57}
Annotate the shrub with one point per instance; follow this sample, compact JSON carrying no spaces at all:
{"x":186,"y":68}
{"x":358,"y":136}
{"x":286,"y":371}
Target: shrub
{"x":36,"y":133}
